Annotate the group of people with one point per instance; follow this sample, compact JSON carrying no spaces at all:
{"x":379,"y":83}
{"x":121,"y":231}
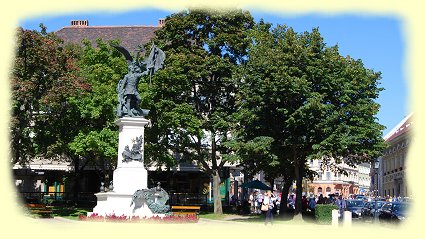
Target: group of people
{"x":256,"y":199}
{"x":308,"y":204}
{"x":267,"y":203}
{"x":389,"y":198}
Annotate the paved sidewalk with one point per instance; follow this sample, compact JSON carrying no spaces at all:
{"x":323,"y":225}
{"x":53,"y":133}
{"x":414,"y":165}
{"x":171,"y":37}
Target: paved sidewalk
{"x":58,"y":220}
{"x":228,"y":219}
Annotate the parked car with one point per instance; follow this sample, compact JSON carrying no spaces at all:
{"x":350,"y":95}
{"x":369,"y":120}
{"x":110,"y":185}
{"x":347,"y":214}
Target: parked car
{"x":355,"y":207}
{"x":393,"y":212}
{"x":360,"y":197}
{"x":371,"y":209}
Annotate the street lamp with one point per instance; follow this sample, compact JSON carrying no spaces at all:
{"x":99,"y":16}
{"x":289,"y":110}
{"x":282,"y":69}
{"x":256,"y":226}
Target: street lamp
{"x":377,"y":176}
{"x":377,"y":186}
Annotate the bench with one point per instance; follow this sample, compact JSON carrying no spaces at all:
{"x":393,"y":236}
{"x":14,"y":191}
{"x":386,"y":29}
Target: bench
{"x":40,"y":209}
{"x":185,"y":210}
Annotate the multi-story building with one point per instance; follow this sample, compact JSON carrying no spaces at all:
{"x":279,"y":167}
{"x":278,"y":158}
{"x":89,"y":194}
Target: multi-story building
{"x":392,"y":165}
{"x":355,"y":181}
{"x":386,"y":177}
{"x":130,"y":36}
{"x":364,"y":178}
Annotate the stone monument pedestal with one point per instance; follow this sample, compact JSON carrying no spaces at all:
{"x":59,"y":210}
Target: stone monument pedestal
{"x":129,"y":176}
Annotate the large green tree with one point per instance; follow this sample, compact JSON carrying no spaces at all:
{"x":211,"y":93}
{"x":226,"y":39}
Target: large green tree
{"x":314,"y":103}
{"x":192,"y":99}
{"x":97,"y":139}
{"x":43,"y":77}
{"x":64,"y":99}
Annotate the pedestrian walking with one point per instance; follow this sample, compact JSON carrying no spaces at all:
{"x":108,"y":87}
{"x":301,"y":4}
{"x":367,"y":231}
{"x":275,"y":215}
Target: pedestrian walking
{"x":251,"y":202}
{"x":321,"y":200}
{"x":340,"y":202}
{"x":312,"y":204}
{"x":257,"y":203}
{"x":269,"y":204}
{"x":259,"y":200}
{"x":304,"y":203}
{"x":291,"y":202}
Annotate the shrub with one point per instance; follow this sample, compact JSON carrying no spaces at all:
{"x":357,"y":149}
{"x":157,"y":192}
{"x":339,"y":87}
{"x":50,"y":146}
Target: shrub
{"x":323,"y":213}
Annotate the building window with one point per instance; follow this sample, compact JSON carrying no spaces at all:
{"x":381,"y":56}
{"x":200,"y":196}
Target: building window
{"x":397,"y":162}
{"x":386,"y":166}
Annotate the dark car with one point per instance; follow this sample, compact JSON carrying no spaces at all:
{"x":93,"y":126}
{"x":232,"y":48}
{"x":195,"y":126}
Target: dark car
{"x":355,"y":207}
{"x":393,"y":212}
{"x":360,"y":197}
{"x":371,"y":209}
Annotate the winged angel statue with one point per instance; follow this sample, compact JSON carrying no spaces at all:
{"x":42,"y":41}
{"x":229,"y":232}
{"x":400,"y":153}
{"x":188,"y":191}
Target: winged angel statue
{"x":128,"y":96}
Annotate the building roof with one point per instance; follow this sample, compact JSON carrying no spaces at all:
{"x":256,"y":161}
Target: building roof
{"x":130,"y":36}
{"x":401,"y":128}
{"x":40,"y":163}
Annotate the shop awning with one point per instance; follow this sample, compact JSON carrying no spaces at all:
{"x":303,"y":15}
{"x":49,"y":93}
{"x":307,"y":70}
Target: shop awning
{"x":256,"y":184}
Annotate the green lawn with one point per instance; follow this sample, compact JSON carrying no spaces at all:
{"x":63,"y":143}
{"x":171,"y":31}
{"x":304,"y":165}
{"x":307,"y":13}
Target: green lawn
{"x":66,"y":212}
{"x":214,"y":216}
{"x":254,"y":218}
{"x":70,"y":212}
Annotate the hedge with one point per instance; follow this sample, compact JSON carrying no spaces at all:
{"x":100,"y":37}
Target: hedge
{"x":323,"y":213}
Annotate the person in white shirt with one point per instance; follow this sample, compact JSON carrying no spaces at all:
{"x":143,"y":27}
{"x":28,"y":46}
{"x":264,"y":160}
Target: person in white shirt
{"x":268,"y":200}
{"x":252,"y":202}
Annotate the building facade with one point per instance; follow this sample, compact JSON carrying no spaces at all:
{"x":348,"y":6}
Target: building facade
{"x":392,"y":165}
{"x":364,"y":178}
{"x":355,"y":181}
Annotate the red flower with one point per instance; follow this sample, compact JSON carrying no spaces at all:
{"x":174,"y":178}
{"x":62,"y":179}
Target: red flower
{"x":155,"y":219}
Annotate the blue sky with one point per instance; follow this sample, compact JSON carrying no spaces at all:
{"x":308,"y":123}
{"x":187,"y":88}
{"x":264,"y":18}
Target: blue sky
{"x":377,"y":40}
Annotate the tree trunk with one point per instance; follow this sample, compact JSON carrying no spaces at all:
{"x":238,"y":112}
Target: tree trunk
{"x":105,"y":174}
{"x":284,"y":198}
{"x":299,"y":190}
{"x":271,"y":181}
{"x":76,"y":186}
{"x":77,"y":174}
{"x":218,"y":209}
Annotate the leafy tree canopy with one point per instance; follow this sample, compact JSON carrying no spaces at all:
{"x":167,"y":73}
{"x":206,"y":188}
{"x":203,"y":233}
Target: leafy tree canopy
{"x":313,"y":102}
{"x":193,"y":97}
{"x":43,"y":77}
{"x":102,"y":67}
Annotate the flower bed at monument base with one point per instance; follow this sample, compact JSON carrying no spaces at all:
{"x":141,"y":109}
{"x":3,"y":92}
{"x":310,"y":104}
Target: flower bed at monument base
{"x":154,"y":219}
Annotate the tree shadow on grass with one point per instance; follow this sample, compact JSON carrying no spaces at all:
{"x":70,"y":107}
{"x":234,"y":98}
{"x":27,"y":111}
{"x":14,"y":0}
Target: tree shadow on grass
{"x":307,"y":217}
{"x":70,"y":211}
